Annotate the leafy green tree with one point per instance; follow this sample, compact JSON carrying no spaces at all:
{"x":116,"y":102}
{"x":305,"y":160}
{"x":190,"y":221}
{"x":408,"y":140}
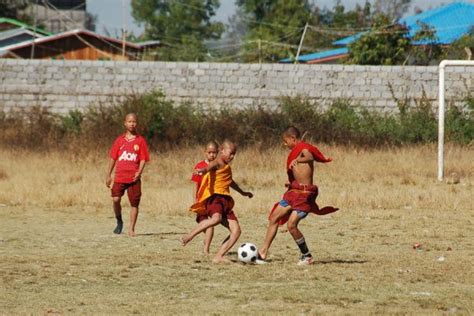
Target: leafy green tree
{"x":463,"y":48}
{"x":381,"y":45}
{"x":184,"y":26}
{"x":392,"y":9}
{"x":274,"y":28}
{"x":429,"y":51}
{"x":330,"y":25}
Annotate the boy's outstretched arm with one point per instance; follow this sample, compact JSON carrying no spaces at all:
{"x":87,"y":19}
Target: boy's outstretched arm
{"x":211,"y":166}
{"x":108,"y":177}
{"x":236,"y":187}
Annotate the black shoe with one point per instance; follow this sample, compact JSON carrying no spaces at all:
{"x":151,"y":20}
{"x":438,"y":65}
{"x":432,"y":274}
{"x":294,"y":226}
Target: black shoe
{"x":118,"y":229}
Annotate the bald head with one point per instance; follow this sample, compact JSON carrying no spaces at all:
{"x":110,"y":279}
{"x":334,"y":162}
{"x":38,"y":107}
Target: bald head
{"x":212,"y":144}
{"x":227,"y":144}
{"x":131,"y":115}
{"x":292,"y":132}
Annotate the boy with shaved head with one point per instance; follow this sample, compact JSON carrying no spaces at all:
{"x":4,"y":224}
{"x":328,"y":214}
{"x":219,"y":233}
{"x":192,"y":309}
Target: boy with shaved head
{"x":300,"y":198}
{"x":214,"y":200}
{"x":128,"y":155}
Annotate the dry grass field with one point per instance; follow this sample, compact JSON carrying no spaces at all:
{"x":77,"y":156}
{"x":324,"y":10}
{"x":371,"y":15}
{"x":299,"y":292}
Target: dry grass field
{"x":58,"y":254}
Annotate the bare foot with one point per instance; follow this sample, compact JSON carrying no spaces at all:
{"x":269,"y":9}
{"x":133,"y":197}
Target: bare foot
{"x":261,"y":257}
{"x":220,"y":260}
{"x":131,"y":233}
{"x":184,"y":240}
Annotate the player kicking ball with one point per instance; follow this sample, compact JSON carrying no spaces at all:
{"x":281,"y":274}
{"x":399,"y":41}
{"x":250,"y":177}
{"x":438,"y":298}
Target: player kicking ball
{"x":300,"y":199}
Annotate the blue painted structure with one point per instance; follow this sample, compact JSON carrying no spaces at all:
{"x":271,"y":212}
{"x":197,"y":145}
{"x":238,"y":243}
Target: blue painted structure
{"x":319,"y":55}
{"x":450,"y":23}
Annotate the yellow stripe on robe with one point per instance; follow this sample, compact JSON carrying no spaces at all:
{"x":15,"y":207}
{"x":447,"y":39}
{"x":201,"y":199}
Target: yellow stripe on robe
{"x":214,"y":182}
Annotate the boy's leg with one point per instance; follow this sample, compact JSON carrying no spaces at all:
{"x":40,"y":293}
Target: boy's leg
{"x":272,"y":229}
{"x":117,"y":192}
{"x":118,"y":214}
{"x":295,"y":218}
{"x":133,"y":221}
{"x":234,"y":229}
{"x":134,"y":192}
{"x":209,"y":233}
{"x":202,"y":226}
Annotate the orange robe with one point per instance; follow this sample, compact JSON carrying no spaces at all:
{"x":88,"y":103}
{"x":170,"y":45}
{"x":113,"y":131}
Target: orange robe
{"x":214,"y":182}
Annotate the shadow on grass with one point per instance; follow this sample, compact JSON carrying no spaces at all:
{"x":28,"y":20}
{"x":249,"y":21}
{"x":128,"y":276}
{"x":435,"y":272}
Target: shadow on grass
{"x":340,"y":261}
{"x":160,"y":234}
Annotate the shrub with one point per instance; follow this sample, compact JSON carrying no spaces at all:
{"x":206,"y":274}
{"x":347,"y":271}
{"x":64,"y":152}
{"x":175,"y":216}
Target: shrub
{"x":166,"y":124}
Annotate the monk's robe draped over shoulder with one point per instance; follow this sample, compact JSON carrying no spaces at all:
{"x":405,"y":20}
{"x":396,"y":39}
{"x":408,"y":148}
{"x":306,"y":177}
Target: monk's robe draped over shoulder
{"x":214,"y":182}
{"x":296,"y":152}
{"x":303,"y":197}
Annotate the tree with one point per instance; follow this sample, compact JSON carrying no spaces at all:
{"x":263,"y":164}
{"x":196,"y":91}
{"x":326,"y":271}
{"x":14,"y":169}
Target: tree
{"x":330,"y":25}
{"x":392,"y":9}
{"x":274,"y":27}
{"x":381,"y":45}
{"x":425,"y":49}
{"x":463,"y":48}
{"x":14,"y":9}
{"x":184,"y":26}
{"x":233,"y":37}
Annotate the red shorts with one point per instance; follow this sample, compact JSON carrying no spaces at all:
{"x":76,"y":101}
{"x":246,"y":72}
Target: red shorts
{"x":221,"y":204}
{"x":134,"y":191}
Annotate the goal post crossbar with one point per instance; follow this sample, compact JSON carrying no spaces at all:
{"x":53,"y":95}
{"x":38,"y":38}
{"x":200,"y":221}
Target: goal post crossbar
{"x":441,"y":109}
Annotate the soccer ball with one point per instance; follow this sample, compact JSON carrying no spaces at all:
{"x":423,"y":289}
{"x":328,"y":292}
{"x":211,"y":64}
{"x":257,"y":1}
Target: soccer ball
{"x":247,"y":253}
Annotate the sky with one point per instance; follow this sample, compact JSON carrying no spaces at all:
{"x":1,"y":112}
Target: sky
{"x":110,"y":13}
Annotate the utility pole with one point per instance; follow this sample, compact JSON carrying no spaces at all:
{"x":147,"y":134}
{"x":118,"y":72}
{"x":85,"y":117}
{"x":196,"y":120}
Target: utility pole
{"x":259,"y":51}
{"x":34,"y":9}
{"x":124,"y":28}
{"x":301,"y":43}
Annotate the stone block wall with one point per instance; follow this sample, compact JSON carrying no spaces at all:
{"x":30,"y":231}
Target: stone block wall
{"x":67,"y":85}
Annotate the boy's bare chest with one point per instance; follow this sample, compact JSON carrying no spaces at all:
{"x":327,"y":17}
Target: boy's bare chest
{"x":303,"y":173}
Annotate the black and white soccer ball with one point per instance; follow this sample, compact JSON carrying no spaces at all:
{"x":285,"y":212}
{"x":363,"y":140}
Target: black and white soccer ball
{"x":247,"y":253}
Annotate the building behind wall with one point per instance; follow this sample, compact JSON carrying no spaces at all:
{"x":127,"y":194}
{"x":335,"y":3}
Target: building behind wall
{"x":61,"y":15}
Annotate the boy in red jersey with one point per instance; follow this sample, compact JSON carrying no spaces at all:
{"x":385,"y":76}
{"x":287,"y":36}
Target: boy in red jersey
{"x":128,"y":155}
{"x":210,"y":153}
{"x":300,"y":198}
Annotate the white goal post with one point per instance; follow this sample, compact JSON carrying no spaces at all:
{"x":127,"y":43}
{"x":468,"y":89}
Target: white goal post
{"x":441,"y":110}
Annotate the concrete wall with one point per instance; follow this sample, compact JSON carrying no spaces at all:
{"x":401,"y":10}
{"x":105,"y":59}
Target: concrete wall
{"x":66,"y":85}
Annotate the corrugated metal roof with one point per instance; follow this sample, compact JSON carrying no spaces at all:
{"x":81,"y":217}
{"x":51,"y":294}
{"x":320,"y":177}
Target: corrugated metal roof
{"x":15,"y":36}
{"x":77,"y":32}
{"x":450,"y":22}
{"x":149,"y":43}
{"x":319,"y":55}
{"x":15,"y":32}
{"x":24,"y":25}
{"x":347,"y":40}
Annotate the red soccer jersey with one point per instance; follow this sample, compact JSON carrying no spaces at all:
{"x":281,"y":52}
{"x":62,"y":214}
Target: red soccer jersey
{"x":128,"y":154}
{"x":198,"y":178}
